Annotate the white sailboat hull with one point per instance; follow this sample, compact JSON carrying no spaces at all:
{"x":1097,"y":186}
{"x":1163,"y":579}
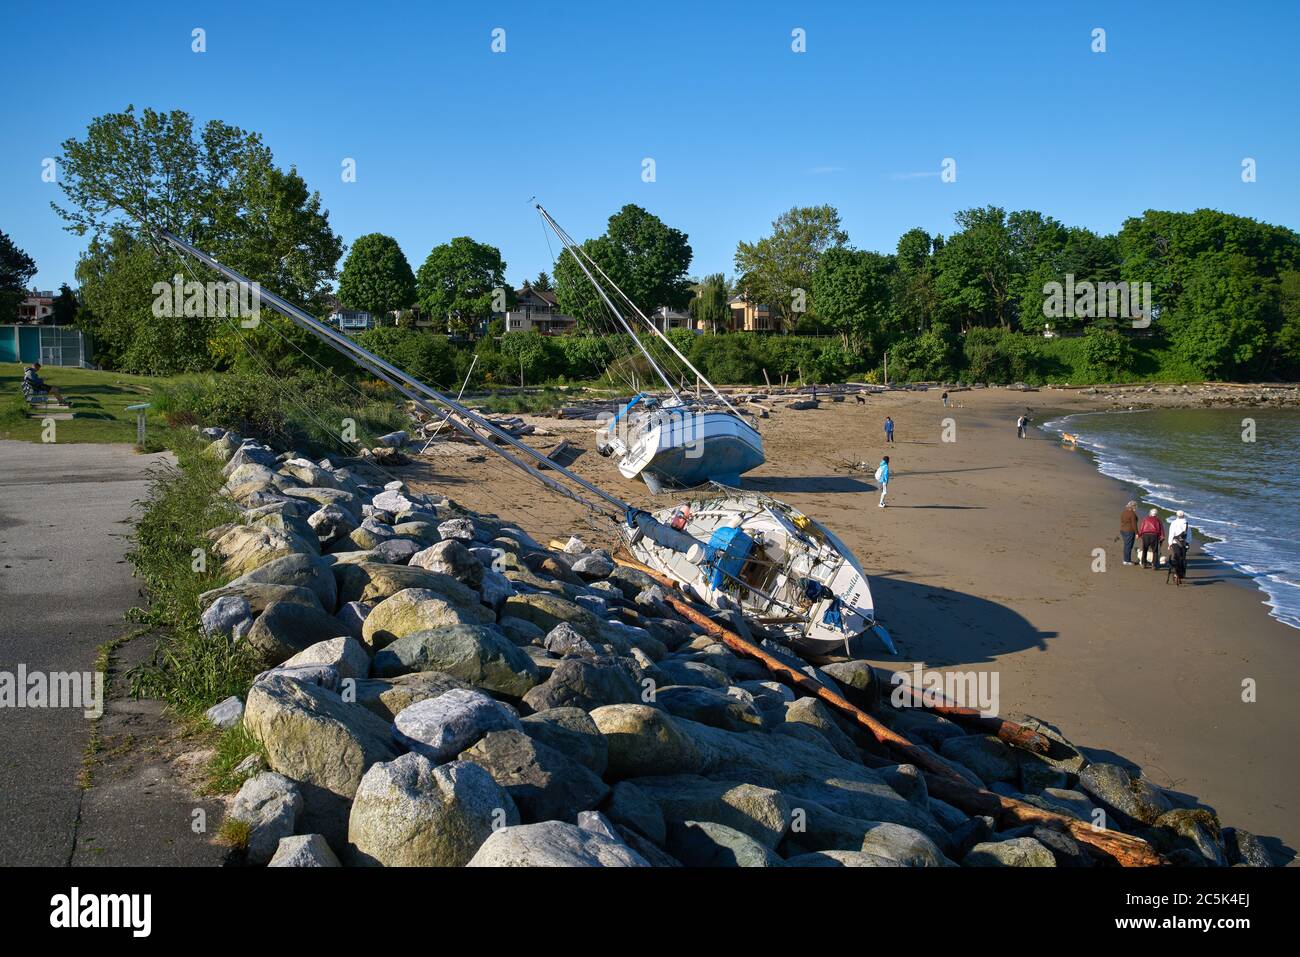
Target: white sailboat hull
{"x":783,"y":551}
{"x":684,"y":446}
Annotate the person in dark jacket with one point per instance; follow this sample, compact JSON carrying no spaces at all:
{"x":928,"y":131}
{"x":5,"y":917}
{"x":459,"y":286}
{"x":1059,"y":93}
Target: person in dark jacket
{"x":1128,"y":526}
{"x":1152,"y":532}
{"x":34,"y":387}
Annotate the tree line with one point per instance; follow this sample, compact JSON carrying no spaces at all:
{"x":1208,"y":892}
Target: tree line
{"x":1224,"y":290}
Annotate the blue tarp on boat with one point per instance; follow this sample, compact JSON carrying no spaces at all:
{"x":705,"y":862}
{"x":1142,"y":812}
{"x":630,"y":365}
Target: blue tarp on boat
{"x":728,"y":549}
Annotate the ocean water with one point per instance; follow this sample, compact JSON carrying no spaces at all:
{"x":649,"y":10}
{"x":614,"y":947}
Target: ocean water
{"x":1240,"y":497}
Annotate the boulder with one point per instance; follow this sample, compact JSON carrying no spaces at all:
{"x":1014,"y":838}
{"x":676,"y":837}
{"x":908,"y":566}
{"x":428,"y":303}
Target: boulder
{"x":440,"y":728}
{"x":329,"y":496}
{"x":761,"y":813}
{"x":546,"y":610}
{"x":1200,"y":829}
{"x":1244,"y":849}
{"x":408,"y":813}
{"x":346,"y":655}
{"x":259,"y":595}
{"x":246,"y":548}
{"x":228,"y":615}
{"x":630,"y":807}
{"x":479,"y":656}
{"x":300,"y":570}
{"x":305,"y":850}
{"x":592,"y":567}
{"x":460,"y":529}
{"x":553,"y":844}
{"x":695,"y":673}
{"x":286,"y":628}
{"x":564,"y":639}
{"x":1017,"y":852}
{"x":312,"y":736}
{"x":451,"y":557}
{"x":374,"y":581}
{"x":571,"y":732}
{"x":544,"y":784}
{"x":908,"y":781}
{"x":721,"y":709}
{"x":352,"y":617}
{"x":386,"y":697}
{"x":269,"y":803}
{"x":812,"y":712}
{"x":584,"y":683}
{"x":1130,"y":799}
{"x":414,"y":610}
{"x":709,"y":844}
{"x":225,"y":714}
{"x":643,"y":741}
{"x":495,"y":588}
{"x":396,"y":551}
{"x":858,"y":680}
{"x":989,"y":757}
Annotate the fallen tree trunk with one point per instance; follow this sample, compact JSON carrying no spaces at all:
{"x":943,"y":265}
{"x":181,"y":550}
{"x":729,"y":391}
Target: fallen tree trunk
{"x":942,"y":780}
{"x":1009,"y":731}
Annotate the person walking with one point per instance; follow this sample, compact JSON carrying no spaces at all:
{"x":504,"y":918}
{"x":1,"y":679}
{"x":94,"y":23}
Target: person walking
{"x":945,"y":400}
{"x":1152,"y":532}
{"x":1128,"y":526}
{"x":1179,"y":539}
{"x":882,"y":476}
{"x":1020,"y":427}
{"x":889,"y":430}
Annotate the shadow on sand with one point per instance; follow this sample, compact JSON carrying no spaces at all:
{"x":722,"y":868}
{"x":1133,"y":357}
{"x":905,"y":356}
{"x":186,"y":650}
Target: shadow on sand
{"x":804,"y":483}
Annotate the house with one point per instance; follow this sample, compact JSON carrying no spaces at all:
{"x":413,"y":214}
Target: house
{"x":535,"y":310}
{"x":749,"y":316}
{"x":352,"y":320}
{"x":37,"y":307}
{"x":665,"y":318}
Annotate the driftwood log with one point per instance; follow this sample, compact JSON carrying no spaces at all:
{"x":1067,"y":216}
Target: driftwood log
{"x":942,"y":780}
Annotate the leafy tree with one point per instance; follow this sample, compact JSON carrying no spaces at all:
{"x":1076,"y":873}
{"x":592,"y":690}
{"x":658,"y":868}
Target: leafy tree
{"x":914,"y":297}
{"x":542,"y":282}
{"x":976,"y":268}
{"x":376,"y":277}
{"x":647,"y":259}
{"x":65,"y":306}
{"x":16,"y":267}
{"x":709,"y":304}
{"x":1286,"y":352}
{"x":1224,"y":314}
{"x":425,"y":355}
{"x":928,"y":356}
{"x":1106,"y":350}
{"x":775,"y":266}
{"x":851,"y":291}
{"x":458,"y":281}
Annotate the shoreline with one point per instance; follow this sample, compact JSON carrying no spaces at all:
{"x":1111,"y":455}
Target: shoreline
{"x":982,"y":561}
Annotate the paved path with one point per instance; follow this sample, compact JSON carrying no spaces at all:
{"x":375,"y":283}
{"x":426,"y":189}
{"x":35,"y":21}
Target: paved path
{"x":63,"y":588}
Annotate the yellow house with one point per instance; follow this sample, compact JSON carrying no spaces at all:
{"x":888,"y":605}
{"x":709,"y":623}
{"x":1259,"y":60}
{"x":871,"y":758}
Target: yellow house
{"x":749,"y":316}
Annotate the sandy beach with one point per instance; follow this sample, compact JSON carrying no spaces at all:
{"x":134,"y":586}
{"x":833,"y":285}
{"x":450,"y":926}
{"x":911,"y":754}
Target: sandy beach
{"x":984,"y":561}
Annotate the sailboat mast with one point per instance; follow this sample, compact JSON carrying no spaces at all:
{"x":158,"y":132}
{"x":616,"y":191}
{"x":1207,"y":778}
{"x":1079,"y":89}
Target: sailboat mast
{"x":411,"y":387}
{"x":578,"y":257}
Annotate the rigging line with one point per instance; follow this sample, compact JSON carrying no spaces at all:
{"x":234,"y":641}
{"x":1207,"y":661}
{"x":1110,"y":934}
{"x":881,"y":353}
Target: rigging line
{"x":389,"y":373}
{"x":601,"y":292}
{"x":328,"y":430}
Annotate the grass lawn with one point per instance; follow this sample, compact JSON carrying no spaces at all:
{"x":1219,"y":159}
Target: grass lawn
{"x":99,"y":399}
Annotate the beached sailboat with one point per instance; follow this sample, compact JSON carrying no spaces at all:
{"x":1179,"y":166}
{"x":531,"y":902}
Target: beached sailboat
{"x":784,"y":571}
{"x":676,"y":441}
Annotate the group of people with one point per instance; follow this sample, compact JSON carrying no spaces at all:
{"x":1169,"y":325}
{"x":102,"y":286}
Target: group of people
{"x":1150,"y":533}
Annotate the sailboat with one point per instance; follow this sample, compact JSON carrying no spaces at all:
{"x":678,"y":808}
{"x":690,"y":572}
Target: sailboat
{"x":675,"y":441}
{"x":738,"y":551}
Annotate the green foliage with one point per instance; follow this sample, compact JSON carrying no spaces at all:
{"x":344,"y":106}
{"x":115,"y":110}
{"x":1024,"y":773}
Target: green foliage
{"x":1107,"y":352}
{"x":1000,"y":356}
{"x":16,"y":267}
{"x":188,"y":669}
{"x":423,"y":353}
{"x":376,"y":277}
{"x":774,"y":267}
{"x":927,"y":357}
{"x":1224,"y":313}
{"x":457,"y":282}
{"x":851,"y":293}
{"x":233,"y":745}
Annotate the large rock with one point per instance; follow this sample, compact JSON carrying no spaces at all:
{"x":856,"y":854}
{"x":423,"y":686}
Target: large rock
{"x":858,"y":680}
{"x":761,"y":813}
{"x":812,"y":712}
{"x":709,"y":844}
{"x":311,"y":735}
{"x":546,"y":610}
{"x":225,"y":714}
{"x":553,"y":844}
{"x":571,"y":732}
{"x":1131,"y":799}
{"x":269,"y":803}
{"x":375,"y":581}
{"x":417,"y":609}
{"x":645,"y":741}
{"x":286,"y":628}
{"x":584,"y":683}
{"x":630,"y":807}
{"x":329,"y":496}
{"x":301,"y":570}
{"x":722,"y":709}
{"x":408,"y":813}
{"x":989,"y":757}
{"x":480,"y":656}
{"x":451,"y":557}
{"x":1017,"y":852}
{"x":306,"y":850}
{"x":247,"y":547}
{"x":387,"y":697}
{"x":346,"y":655}
{"x":544,"y":784}
{"x":440,"y":728}
{"x":259,"y":595}
{"x":229,"y":616}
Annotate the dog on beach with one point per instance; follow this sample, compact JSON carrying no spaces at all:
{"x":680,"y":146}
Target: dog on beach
{"x":861,"y":399}
{"x":1177,"y":561}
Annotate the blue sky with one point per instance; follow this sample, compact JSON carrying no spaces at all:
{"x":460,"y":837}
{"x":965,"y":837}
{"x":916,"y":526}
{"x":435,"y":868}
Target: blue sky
{"x":451,"y":139}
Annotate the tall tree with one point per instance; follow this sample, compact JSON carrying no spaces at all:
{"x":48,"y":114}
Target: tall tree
{"x":16,"y":267}
{"x":65,"y":306}
{"x":776,"y":267}
{"x":542,"y":282}
{"x":458,"y":282}
{"x":709,"y":306}
{"x":647,"y":259}
{"x":976,"y":270}
{"x":376,"y":277}
{"x":851,"y":292}
{"x":914,"y":298}
{"x":1224,"y":315}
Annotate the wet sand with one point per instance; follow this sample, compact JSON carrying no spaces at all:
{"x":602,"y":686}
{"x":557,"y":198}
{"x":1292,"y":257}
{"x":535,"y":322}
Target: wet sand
{"x":983,"y":561}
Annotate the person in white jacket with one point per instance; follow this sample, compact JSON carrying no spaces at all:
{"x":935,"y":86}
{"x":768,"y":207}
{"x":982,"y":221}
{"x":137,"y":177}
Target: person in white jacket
{"x":1178,"y":526}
